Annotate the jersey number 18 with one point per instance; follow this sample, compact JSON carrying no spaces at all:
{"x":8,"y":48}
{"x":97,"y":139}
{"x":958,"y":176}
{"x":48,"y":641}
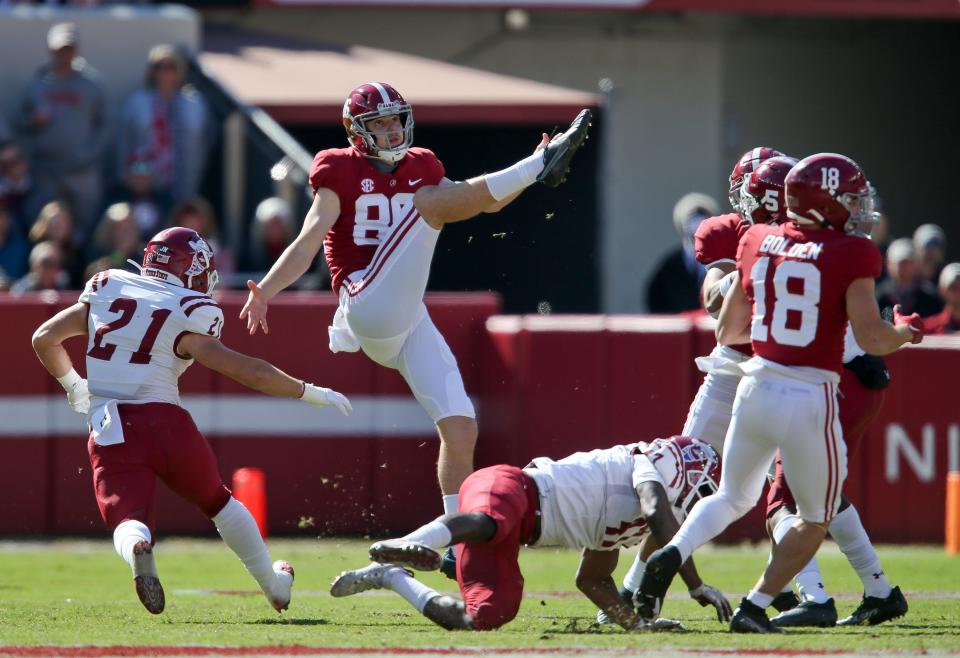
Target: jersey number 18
{"x":785,"y":304}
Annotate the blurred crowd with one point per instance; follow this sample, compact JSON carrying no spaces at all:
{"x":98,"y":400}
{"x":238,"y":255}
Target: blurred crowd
{"x":915,"y":274}
{"x":81,"y":191}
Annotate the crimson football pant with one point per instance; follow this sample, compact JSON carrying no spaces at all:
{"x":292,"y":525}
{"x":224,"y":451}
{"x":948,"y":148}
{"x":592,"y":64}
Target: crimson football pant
{"x":859,"y":407}
{"x":489,"y":573}
{"x":160,"y":441}
{"x":774,"y":411}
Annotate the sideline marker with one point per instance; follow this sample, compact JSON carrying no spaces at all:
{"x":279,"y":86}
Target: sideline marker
{"x":250,"y":488}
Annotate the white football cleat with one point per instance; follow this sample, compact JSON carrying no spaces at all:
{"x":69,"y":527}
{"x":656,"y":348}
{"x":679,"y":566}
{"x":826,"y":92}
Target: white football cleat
{"x":145,"y":580}
{"x":355,"y":581}
{"x":280,"y":599}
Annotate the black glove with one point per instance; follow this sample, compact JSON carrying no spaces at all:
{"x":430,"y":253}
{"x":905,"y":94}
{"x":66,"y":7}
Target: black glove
{"x":870,"y":370}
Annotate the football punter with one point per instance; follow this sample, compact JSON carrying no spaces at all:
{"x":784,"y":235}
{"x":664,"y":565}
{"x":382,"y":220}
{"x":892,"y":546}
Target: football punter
{"x":797,"y":285}
{"x":597,"y":502}
{"x":378,"y":208}
{"x":143,"y":331}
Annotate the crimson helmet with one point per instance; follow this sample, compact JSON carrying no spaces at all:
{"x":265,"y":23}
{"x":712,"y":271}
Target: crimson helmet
{"x":746,"y":164}
{"x":761,"y":197}
{"x":831,"y":190}
{"x":690,"y":469}
{"x":372,"y":101}
{"x":181,"y":255}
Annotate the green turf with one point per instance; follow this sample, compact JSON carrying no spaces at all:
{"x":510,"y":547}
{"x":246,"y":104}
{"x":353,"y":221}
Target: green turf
{"x":80,"y":593}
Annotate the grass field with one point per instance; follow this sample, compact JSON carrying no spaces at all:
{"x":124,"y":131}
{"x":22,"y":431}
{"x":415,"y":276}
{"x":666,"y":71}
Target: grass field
{"x":79,"y":593}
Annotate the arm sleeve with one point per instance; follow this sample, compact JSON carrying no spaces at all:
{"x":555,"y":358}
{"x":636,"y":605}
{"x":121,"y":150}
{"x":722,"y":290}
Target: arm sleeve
{"x":204,"y":317}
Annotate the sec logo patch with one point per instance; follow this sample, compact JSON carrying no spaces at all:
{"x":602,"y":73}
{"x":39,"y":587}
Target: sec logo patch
{"x":366,"y":185}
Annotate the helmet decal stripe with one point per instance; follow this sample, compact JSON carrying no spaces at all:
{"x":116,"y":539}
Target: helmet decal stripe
{"x":383,"y":92}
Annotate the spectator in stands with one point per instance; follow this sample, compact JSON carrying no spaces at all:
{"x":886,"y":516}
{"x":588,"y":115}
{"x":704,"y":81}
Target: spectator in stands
{"x":20,"y":192}
{"x":14,"y":250}
{"x":675,"y":285}
{"x":948,"y":320}
{"x":117,"y":238}
{"x":165,"y":124}
{"x":906,"y":286}
{"x":55,"y":224}
{"x":5,"y":134}
{"x":196,"y":213}
{"x":930,"y":242}
{"x":272,"y":231}
{"x":63,"y":110}
{"x":46,"y":270}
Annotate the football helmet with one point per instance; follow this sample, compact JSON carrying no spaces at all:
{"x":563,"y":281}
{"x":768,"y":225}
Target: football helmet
{"x":831,"y":190}
{"x":690,"y":469}
{"x":761,"y":197}
{"x":181,"y":255}
{"x":375,"y":100}
{"x":746,"y":164}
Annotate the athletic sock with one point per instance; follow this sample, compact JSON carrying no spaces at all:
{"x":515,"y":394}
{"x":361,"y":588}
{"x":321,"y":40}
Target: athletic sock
{"x":515,"y":178}
{"x":240,"y":533}
{"x":415,"y":592}
{"x":709,"y":517}
{"x":809,"y":580}
{"x":632,"y":580}
{"x":434,"y":534}
{"x":127,"y":535}
{"x":848,"y":531}
{"x":759,"y":599}
{"x":451,"y":503}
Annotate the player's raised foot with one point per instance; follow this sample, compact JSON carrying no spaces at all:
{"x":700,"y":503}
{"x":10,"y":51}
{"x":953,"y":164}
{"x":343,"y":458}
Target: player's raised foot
{"x":808,"y":613}
{"x":750,"y":618}
{"x":448,"y":563}
{"x":145,"y":580}
{"x":626,"y":595}
{"x":404,"y":553}
{"x":282,"y":592}
{"x":352,"y":582}
{"x":874,"y":610}
{"x":559,"y":152}
{"x":785,"y":601}
{"x":661,"y":568}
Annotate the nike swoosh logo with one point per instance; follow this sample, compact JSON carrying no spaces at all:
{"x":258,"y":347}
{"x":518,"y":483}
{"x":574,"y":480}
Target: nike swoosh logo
{"x":414,"y":181}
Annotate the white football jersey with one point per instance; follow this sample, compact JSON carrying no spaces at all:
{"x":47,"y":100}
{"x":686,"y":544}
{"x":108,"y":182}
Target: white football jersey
{"x":134,"y":325}
{"x":589,"y":499}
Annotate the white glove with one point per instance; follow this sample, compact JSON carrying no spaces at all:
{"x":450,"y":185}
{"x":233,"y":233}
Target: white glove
{"x":324,"y":397}
{"x":706,"y":595}
{"x":78,"y":395}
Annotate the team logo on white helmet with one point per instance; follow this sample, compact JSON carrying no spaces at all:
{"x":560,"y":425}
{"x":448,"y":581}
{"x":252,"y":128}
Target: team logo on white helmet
{"x":690,"y":469}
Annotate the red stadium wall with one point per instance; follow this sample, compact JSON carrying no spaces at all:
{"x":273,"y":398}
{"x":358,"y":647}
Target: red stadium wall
{"x":543,"y":385}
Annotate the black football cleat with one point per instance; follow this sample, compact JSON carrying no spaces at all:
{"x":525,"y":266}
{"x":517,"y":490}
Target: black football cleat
{"x":559,"y":152}
{"x":448,"y":565}
{"x":661,"y":568}
{"x":785,"y":601}
{"x":874,"y":610}
{"x":750,"y":618}
{"x":808,"y":613}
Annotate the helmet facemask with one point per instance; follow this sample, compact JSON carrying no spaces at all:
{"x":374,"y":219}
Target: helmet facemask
{"x":394,"y":154}
{"x":698,"y":477}
{"x":863,"y":216}
{"x":203,"y":262}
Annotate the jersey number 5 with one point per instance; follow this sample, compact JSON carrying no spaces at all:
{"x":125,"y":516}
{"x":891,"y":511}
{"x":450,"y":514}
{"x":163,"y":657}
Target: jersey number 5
{"x":376,"y":213}
{"x":127,"y":308}
{"x":801,"y":307}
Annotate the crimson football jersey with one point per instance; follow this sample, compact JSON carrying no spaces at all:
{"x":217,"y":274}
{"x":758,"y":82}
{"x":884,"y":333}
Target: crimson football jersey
{"x":715,"y":242}
{"x":372,"y":202}
{"x":797,"y":279}
{"x":717,"y":238}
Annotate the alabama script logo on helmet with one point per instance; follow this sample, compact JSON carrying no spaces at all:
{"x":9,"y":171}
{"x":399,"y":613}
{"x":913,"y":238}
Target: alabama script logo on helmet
{"x":376,"y":100}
